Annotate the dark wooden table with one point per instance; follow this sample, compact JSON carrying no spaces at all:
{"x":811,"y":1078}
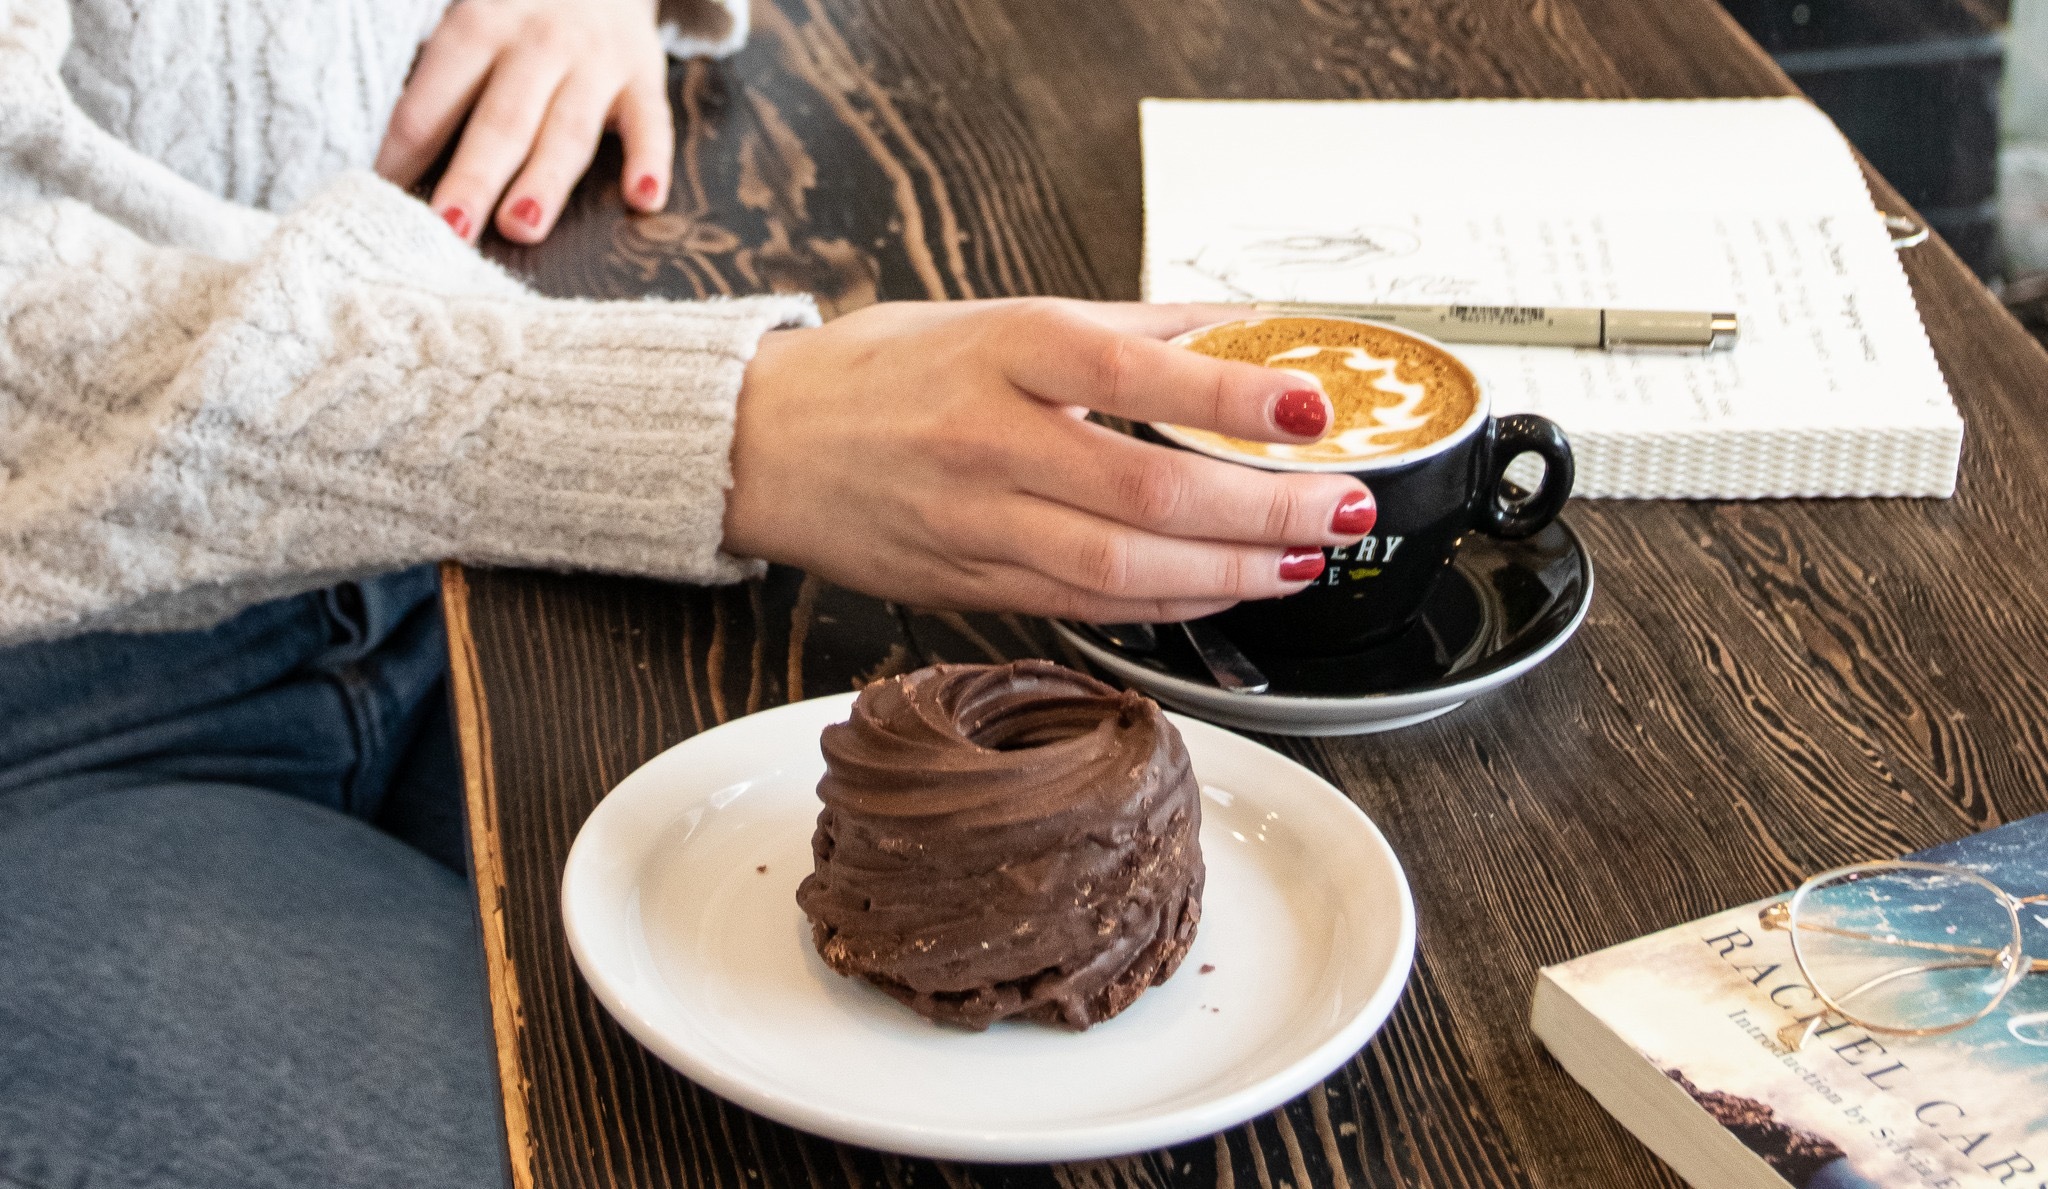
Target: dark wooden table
{"x":1762,"y":689}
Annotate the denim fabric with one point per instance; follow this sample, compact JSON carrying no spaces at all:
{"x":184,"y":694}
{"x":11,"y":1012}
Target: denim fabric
{"x":215,"y":970}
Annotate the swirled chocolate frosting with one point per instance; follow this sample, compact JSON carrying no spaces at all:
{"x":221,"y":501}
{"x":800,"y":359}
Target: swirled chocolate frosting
{"x":1005,"y":841}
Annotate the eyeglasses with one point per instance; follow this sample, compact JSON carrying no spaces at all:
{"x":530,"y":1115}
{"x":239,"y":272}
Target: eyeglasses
{"x":1905,"y":948}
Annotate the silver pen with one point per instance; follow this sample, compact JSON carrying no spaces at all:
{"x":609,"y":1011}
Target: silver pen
{"x":1539,"y":326}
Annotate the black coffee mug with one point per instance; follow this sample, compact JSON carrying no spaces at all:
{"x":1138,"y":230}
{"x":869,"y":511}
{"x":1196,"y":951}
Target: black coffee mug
{"x":1428,"y":499}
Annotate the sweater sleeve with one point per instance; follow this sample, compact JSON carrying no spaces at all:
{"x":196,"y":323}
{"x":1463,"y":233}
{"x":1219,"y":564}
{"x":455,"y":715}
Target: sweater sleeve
{"x":180,"y":435}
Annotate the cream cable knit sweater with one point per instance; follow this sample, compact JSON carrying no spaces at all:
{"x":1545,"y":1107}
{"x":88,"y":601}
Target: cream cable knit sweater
{"x":203,"y":405}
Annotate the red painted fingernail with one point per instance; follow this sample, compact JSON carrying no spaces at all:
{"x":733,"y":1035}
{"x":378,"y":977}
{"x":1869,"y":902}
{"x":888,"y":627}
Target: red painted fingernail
{"x":1302,"y":413}
{"x":457,"y":221}
{"x":647,"y":187}
{"x":1355,"y":516}
{"x":527,"y":211}
{"x":1301,"y":565}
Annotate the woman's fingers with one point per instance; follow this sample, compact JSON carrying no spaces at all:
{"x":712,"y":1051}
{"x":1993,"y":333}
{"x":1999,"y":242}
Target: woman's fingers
{"x":537,"y":81}
{"x":1013,"y":588}
{"x":1161,"y":320}
{"x":647,"y":132}
{"x":444,"y":84}
{"x":1182,"y":494}
{"x":1119,"y":562}
{"x":496,"y":143}
{"x":567,"y":141}
{"x":932,"y":476}
{"x":1058,"y":353}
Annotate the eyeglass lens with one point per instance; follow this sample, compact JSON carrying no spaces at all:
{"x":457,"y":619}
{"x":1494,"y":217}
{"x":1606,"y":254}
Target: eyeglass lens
{"x":1907,"y":948}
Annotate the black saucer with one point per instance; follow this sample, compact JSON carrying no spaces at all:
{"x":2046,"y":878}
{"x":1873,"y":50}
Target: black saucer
{"x":1498,"y":611}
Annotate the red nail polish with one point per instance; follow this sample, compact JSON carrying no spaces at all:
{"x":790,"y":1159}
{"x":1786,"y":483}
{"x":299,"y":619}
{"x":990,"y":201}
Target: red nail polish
{"x":1301,"y":565}
{"x":457,"y":221}
{"x":647,"y":187}
{"x":1355,"y":516}
{"x":1302,"y":413}
{"x":527,"y":211}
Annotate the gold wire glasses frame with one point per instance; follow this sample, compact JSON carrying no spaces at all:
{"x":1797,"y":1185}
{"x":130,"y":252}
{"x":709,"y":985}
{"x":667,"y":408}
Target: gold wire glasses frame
{"x":2010,"y":958}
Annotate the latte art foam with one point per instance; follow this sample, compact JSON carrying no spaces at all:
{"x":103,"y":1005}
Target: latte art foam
{"x":1393,"y":394}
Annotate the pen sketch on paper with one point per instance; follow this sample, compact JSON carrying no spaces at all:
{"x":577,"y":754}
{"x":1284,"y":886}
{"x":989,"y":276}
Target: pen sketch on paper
{"x":1359,"y":245}
{"x":1246,"y":264}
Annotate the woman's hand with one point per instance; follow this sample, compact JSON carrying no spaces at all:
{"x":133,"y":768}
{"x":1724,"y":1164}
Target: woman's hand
{"x":540,"y":81}
{"x":935,"y":454}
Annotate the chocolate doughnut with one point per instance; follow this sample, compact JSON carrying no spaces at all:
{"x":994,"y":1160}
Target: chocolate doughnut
{"x":1005,"y":842}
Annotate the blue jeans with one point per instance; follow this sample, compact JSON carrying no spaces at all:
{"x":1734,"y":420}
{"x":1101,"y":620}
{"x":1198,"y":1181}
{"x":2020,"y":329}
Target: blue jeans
{"x":215,"y":970}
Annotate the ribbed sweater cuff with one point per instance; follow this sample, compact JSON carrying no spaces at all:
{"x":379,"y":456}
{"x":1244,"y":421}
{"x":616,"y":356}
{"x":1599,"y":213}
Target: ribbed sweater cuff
{"x":609,"y":447}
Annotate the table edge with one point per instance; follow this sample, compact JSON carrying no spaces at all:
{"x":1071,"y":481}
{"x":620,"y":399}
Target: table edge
{"x":487,"y":865}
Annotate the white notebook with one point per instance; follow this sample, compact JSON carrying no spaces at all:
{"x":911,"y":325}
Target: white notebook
{"x":1750,"y":205}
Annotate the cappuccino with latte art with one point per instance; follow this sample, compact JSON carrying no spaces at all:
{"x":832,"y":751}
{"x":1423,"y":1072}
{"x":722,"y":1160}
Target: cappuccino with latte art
{"x":1393,"y":394}
{"x":1412,"y":424}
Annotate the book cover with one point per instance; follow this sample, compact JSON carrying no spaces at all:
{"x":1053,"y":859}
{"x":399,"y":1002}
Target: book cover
{"x":1703,"y":1005}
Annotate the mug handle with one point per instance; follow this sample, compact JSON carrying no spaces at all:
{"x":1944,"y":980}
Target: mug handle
{"x":1508,"y":438}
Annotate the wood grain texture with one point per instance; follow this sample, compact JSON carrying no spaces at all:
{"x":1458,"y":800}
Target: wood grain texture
{"x":1761,"y":689}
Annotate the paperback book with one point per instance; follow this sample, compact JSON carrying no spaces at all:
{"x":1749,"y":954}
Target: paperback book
{"x":1680,"y":1035}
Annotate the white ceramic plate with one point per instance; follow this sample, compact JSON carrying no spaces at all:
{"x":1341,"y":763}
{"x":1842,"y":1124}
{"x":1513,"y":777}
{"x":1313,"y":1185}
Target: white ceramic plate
{"x":706,"y":959}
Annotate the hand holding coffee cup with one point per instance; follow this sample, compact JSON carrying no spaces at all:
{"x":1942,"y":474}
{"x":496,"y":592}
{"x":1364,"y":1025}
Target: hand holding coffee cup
{"x":932,"y":453}
{"x":1413,"y":423}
